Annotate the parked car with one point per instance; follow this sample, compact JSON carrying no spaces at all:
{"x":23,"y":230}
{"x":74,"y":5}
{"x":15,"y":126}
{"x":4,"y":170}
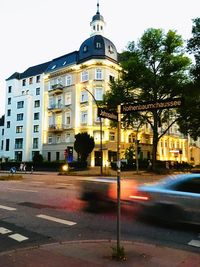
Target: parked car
{"x":175,"y":198}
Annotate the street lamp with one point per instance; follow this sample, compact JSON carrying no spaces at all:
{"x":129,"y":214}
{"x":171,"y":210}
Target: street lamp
{"x":100,"y":121}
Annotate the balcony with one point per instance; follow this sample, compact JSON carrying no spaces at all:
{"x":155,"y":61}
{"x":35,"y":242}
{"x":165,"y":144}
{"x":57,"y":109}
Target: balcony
{"x":56,"y":89}
{"x":57,"y":128}
{"x":56,"y":107}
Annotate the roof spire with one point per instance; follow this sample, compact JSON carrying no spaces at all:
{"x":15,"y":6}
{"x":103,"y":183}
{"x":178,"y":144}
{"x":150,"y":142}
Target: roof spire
{"x":98,"y":7}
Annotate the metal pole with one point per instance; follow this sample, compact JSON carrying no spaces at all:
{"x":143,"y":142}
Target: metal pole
{"x":118,"y":178}
{"x":101,"y":149}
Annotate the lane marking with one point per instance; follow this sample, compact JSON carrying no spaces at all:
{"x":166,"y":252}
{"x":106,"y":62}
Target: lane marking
{"x":35,"y":182}
{"x":23,"y":190}
{"x":4,"y":231}
{"x":54,"y":219}
{"x":194,"y":243}
{"x":62,"y":184}
{"x":18,"y":237}
{"x":7,"y":208}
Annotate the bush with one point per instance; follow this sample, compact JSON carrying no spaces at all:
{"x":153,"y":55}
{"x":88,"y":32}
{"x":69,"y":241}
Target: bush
{"x":78,"y":165}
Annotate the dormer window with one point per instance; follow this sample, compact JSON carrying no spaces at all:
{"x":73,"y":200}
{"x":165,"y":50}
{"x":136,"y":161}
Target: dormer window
{"x":53,"y":67}
{"x":85,"y":48}
{"x":110,"y":48}
{"x":64,"y":63}
{"x":98,"y":45}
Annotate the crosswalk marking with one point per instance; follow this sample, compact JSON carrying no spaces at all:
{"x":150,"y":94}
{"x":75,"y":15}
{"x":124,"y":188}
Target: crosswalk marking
{"x":54,"y":219}
{"x":7,"y":208}
{"x":194,"y":243}
{"x":18,"y":237}
{"x":4,"y":231}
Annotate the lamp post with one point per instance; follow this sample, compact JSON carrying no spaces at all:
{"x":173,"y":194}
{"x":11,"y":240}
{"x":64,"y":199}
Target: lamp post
{"x":100,"y":121}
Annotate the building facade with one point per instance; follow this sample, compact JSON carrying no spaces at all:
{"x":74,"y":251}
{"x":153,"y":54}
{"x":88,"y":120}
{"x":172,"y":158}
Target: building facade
{"x":48,"y":104}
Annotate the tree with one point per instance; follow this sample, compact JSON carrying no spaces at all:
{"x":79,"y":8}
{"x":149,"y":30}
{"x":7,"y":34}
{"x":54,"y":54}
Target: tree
{"x":190,"y":116}
{"x":83,"y":145}
{"x":154,"y":69}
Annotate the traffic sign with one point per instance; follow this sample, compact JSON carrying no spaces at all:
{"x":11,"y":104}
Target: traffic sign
{"x":145,"y":106}
{"x":105,"y":113}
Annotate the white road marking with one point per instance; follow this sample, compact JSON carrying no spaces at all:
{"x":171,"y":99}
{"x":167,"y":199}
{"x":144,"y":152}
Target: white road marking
{"x":7,"y":208}
{"x":54,"y":219}
{"x":194,"y":243}
{"x":23,"y":190}
{"x":35,"y":182}
{"x":62,"y":184}
{"x":18,"y":237}
{"x":4,"y":231}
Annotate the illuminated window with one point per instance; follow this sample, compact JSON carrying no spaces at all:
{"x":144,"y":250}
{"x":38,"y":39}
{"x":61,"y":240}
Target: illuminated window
{"x":19,"y":129}
{"x":84,"y":76}
{"x":99,"y":74}
{"x":36,"y":128}
{"x":84,"y":117}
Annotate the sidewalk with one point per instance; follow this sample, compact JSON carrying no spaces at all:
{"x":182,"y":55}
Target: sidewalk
{"x":98,"y":254}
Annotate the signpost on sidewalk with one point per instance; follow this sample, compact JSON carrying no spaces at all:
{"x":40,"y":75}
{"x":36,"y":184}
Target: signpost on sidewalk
{"x":127,"y":108}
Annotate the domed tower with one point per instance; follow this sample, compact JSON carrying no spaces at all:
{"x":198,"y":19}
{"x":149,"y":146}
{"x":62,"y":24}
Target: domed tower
{"x":97,"y":24}
{"x":97,"y":46}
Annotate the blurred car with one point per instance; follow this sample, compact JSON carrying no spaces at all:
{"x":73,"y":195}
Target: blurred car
{"x":175,"y":198}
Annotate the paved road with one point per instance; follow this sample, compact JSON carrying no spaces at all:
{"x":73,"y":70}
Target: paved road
{"x":46,"y":208}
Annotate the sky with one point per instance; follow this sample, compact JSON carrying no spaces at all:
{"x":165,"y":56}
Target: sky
{"x":36,"y":31}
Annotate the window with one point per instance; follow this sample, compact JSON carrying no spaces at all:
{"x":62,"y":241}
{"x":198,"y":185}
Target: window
{"x":98,"y":45}
{"x":84,"y":96}
{"x":1,"y":144}
{"x":2,"y":132}
{"x":68,"y":80}
{"x":50,"y":139}
{"x":20,"y":104}
{"x":36,"y":116}
{"x":37,"y":103}
{"x":20,"y":117}
{"x":68,"y":118}
{"x":36,"y":128}
{"x":67,"y":138}
{"x":58,"y":138}
{"x":7,"y":144}
{"x":84,"y":76}
{"x":97,"y":136}
{"x":35,"y":142}
{"x":85,"y":48}
{"x":19,"y":129}
{"x":18,"y":143}
{"x":112,"y":136}
{"x":9,"y":89}
{"x":57,"y":155}
{"x":68,"y":99}
{"x":111,"y":78}
{"x":98,"y":93}
{"x":98,"y":74}
{"x":8,"y":124}
{"x":110,"y":49}
{"x":8,"y":112}
{"x":37,"y":91}
{"x":9,"y":100}
{"x":31,"y":80}
{"x":37,"y":78}
{"x":24,"y":82}
{"x":84,"y":116}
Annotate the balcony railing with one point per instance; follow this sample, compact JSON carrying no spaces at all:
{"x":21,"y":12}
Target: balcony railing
{"x":57,"y":127}
{"x":55,"y":107}
{"x":56,"y":89}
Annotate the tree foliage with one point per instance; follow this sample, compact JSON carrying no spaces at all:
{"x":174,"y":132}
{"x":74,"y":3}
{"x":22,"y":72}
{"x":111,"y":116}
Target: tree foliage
{"x":83,"y":145}
{"x":155,"y":68}
{"x":190,"y":116}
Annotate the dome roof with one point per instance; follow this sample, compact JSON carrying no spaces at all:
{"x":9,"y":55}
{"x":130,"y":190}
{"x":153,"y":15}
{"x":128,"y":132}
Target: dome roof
{"x":97,"y":46}
{"x":97,"y":16}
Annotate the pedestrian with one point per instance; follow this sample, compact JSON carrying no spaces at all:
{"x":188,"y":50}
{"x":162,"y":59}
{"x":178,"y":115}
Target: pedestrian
{"x":24,"y":167}
{"x":21,"y":167}
{"x":149,"y":164}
